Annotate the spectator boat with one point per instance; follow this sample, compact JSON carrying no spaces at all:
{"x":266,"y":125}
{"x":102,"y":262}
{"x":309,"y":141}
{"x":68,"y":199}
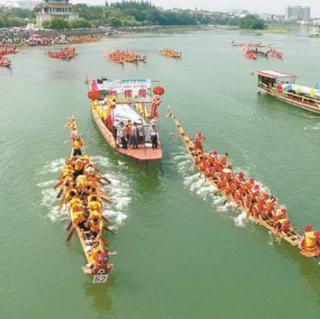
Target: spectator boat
{"x":282,"y":86}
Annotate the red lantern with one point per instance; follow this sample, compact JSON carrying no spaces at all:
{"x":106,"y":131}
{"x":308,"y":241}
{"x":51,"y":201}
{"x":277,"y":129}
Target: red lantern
{"x":93,"y":95}
{"x":158,"y":90}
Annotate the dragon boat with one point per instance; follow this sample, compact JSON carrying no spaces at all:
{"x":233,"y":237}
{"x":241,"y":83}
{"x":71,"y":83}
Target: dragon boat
{"x":79,"y":189}
{"x":126,"y":112}
{"x":308,"y":244}
{"x":63,"y":54}
{"x":282,"y":86}
{"x":169,"y":53}
{"x":125,"y":56}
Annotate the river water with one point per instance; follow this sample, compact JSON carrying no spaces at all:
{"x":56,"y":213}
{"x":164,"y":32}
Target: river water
{"x":182,"y":252}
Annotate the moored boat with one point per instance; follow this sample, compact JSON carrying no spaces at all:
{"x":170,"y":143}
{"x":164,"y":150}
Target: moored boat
{"x":245,"y":194}
{"x":282,"y":86}
{"x":80,"y":192}
{"x":126,"y":112}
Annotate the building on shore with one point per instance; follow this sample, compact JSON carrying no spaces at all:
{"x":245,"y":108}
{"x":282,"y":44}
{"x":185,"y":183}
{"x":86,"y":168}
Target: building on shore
{"x":49,"y":9}
{"x":298,"y":13}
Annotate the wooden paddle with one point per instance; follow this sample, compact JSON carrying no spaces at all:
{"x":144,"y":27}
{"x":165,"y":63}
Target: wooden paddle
{"x":60,"y":193}
{"x":109,"y":230}
{"x":70,"y":233}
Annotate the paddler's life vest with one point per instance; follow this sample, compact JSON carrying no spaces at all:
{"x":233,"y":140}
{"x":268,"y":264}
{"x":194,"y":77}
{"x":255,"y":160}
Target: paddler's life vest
{"x":71,"y":193}
{"x":77,"y":217}
{"x":79,"y":165}
{"x":310,"y":240}
{"x":95,"y":214}
{"x":77,"y":144}
{"x":74,"y":201}
{"x":76,"y":207}
{"x":96,"y":227}
{"x":82,"y":180}
{"x":95,"y":205}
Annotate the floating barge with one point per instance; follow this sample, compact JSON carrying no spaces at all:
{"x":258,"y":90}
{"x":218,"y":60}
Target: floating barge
{"x":128,"y":105}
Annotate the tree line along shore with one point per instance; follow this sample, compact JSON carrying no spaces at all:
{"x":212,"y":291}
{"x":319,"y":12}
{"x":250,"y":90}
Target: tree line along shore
{"x":127,"y":14}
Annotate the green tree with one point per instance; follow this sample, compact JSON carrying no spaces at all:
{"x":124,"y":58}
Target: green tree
{"x":251,"y":22}
{"x":80,"y":24}
{"x":115,"y":22}
{"x":57,"y":23}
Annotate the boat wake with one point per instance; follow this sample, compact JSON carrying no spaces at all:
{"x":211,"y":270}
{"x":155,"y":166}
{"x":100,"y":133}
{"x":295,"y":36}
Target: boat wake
{"x":119,"y":192}
{"x":197,"y":184}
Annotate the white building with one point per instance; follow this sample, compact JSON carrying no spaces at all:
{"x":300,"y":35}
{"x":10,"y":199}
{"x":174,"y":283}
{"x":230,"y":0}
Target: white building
{"x":298,"y":13}
{"x":49,"y":9}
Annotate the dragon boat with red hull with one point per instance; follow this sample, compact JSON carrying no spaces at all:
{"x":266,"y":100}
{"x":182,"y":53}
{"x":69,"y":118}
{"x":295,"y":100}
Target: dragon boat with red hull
{"x":126,"y":113}
{"x":276,"y":220}
{"x":282,"y":86}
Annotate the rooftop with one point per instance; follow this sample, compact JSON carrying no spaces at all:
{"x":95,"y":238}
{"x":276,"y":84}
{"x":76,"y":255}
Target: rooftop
{"x":276,"y":74}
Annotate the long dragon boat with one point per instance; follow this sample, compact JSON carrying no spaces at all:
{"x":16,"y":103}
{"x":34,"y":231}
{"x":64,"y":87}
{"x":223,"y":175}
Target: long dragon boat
{"x":80,"y":192}
{"x":126,"y":112}
{"x":63,"y":54}
{"x":282,"y":86}
{"x":308,"y":243}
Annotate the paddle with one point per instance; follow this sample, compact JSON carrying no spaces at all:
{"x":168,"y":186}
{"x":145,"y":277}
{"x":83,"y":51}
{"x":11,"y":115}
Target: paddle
{"x":70,"y":233}
{"x":109,"y":230}
{"x":69,"y":225}
{"x":60,"y":193}
{"x":106,"y":220}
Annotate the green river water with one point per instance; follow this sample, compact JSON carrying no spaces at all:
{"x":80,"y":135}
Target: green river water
{"x":182,"y":252}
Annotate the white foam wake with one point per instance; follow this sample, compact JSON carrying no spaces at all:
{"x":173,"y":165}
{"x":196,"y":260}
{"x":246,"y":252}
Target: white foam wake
{"x":119,"y":191}
{"x":197,"y":184}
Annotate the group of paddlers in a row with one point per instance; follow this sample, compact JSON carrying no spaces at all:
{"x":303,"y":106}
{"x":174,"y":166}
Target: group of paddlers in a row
{"x":126,"y":56}
{"x":80,"y":192}
{"x":63,"y":54}
{"x":123,"y":56}
{"x":248,"y":195}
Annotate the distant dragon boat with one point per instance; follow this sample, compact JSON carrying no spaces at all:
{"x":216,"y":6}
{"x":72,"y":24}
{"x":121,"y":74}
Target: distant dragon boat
{"x":63,"y":54}
{"x":308,"y":244}
{"x":170,"y":53}
{"x":125,"y":56}
{"x":282,"y":86}
{"x":131,"y":105}
{"x":80,"y":193}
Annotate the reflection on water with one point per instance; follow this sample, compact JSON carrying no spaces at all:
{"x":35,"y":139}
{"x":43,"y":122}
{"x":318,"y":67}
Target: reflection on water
{"x":100,"y":296}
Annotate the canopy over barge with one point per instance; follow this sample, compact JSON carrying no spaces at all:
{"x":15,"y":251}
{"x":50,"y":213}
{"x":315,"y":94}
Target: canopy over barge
{"x":282,"y":86}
